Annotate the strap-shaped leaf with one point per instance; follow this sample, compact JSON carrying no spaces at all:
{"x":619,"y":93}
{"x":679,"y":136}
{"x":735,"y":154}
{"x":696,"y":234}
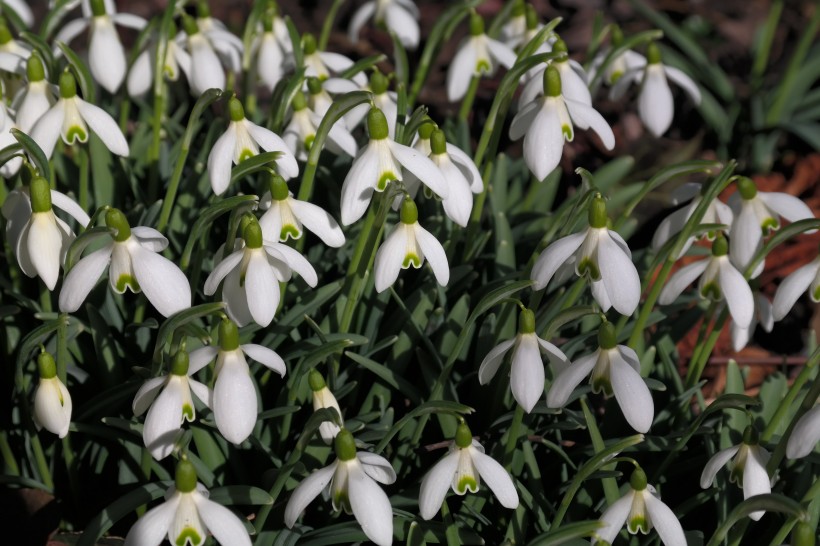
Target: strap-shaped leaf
{"x":35,"y":153}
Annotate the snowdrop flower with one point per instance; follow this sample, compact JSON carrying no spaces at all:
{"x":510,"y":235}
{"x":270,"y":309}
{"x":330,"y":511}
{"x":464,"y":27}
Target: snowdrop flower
{"x":462,"y":469}
{"x":378,"y":164}
{"x":757,"y":214}
{"x":206,"y":69}
{"x":716,"y":213}
{"x":141,"y":78}
{"x":806,"y":278}
{"x":527,"y":375}
{"x":39,"y":238}
{"x":52,"y":402}
{"x":615,"y":370}
{"x":805,"y":434}
{"x":134,"y":262}
{"x":641,"y":509}
{"x":748,"y":468}
{"x":547,"y":122}
{"x":352,"y":478}
{"x":234,"y":399}
{"x":301,"y":132}
{"x":36,"y":98}
{"x":266,"y":49}
{"x":719,"y":280}
{"x":573,"y":79}
{"x":762,"y":315}
{"x":228,"y":47}
{"x":106,"y":56}
{"x":71,"y":117}
{"x":186,"y":517}
{"x":12,"y":166}
{"x":13,"y":53}
{"x":323,"y":398}
{"x":629,"y":64}
{"x":285,"y":216}
{"x":513,"y":32}
{"x":324,"y":64}
{"x":21,"y":9}
{"x":599,"y":254}
{"x":252,"y":275}
{"x":399,"y":16}
{"x":171,"y":404}
{"x":240,"y":141}
{"x":407,"y":245}
{"x":382,"y":98}
{"x":477,"y":56}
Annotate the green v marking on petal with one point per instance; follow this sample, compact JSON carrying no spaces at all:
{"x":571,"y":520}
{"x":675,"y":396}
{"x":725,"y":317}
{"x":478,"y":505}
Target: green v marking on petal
{"x":127,"y":281}
{"x":289,"y":231}
{"x":411,"y":259}
{"x":384,"y":179}
{"x":711,"y":291}
{"x":188,"y":534}
{"x":246,"y":153}
{"x":588,"y":267}
{"x":75,"y":133}
{"x":482,"y":67}
{"x":188,"y":413}
{"x":466,"y":483}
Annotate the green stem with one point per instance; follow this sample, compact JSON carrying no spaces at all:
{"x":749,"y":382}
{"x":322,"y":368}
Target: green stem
{"x":171,"y":192}
{"x":40,"y":461}
{"x":469,"y":98}
{"x":62,"y":348}
{"x":84,"y":172}
{"x":785,"y":404}
{"x":649,"y":303}
{"x":610,"y":485}
{"x":451,"y":530}
{"x":513,"y":435}
{"x":327,"y":25}
{"x":71,"y":469}
{"x":45,"y":298}
{"x":696,"y":367}
{"x":8,"y":456}
{"x":156,"y":139}
{"x":806,"y":405}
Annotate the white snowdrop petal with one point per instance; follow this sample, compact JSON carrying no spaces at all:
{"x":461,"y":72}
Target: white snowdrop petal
{"x":360,"y":17}
{"x":47,"y":129}
{"x":377,"y":467}
{"x":491,"y":363}
{"x":737,"y":293}
{"x":527,"y":373}
{"x":501,"y":52}
{"x":805,"y":434}
{"x":566,"y":381}
{"x":614,"y":518}
{"x":665,"y":521}
{"x":146,"y":394}
{"x":129,"y":20}
{"x":544,"y":141}
{"x":226,"y":528}
{"x":467,"y":166}
{"x":370,"y":506}
{"x":297,"y":263}
{"x":389,"y":259}
{"x":104,"y":126}
{"x":271,"y":142}
{"x":573,"y":86}
{"x":586,"y":116}
{"x":140,"y":78}
{"x":161,"y":280}
{"x":65,"y":203}
{"x":746,"y":236}
{"x":163,"y":422}
{"x":632,"y":394}
{"x":496,"y":478}
{"x":682,"y":278}
{"x":235,"y":406}
{"x":715,"y":463}
{"x":82,"y":278}
{"x":422,"y":167}
{"x":153,"y":527}
{"x":756,"y":479}
{"x":684,"y":81}
{"x":340,"y":138}
{"x":235,"y":299}
{"x":670,"y":226}
{"x":523,"y":119}
{"x":788,"y":206}
{"x":434,"y":252}
{"x":201,"y":391}
{"x":460,"y":72}
{"x":206,"y":70}
{"x":261,"y":288}
{"x":45,"y":244}
{"x":71,"y":30}
{"x":435,"y":484}
{"x":556,"y":357}
{"x":306,"y":491}
{"x":266,"y":357}
{"x":553,"y":257}
{"x":52,"y":406}
{"x":319,"y":221}
{"x":620,"y":278}
{"x":655,"y":104}
{"x":359,"y":184}
{"x":199,"y":358}
{"x":403,"y":24}
{"x":459,"y":202}
{"x":220,"y":160}
{"x":106,"y":56}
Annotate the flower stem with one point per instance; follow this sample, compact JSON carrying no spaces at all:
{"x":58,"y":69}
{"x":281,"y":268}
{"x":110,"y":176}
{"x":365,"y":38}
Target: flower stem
{"x":469,"y":98}
{"x":156,"y":140}
{"x":171,"y":192}
{"x":8,"y":456}
{"x":45,"y":298}
{"x":40,"y":461}
{"x":451,"y":532}
{"x":83,"y":168}
{"x":62,"y":348}
{"x":794,"y":390}
{"x":649,"y":303}
{"x":513,"y":435}
{"x":696,"y":367}
{"x":806,"y":405}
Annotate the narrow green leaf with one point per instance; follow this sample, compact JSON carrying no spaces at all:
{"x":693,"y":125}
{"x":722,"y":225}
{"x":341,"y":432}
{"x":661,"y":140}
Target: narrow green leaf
{"x":207,"y":217}
{"x":83,"y":75}
{"x":566,"y":533}
{"x":362,"y":65}
{"x":433,"y":406}
{"x":118,"y":509}
{"x":771,"y":503}
{"x":204,"y":101}
{"x":254,"y":164}
{"x":38,"y":157}
{"x":177,"y":320}
{"x":387,"y":375}
{"x":240,"y":494}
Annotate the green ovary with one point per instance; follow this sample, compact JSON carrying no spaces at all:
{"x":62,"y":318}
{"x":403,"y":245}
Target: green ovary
{"x":385,"y":179}
{"x":188,"y":535}
{"x":127,"y":281}
{"x":74,"y":134}
{"x":411,"y":259}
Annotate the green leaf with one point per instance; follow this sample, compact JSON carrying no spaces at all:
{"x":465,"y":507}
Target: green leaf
{"x":207,"y":217}
{"x":204,"y":101}
{"x":566,"y":533}
{"x":240,"y":494}
{"x":796,"y":228}
{"x":433,"y":406}
{"x":118,"y":509}
{"x":29,"y":343}
{"x":362,"y":65}
{"x":631,"y":42}
{"x":10,"y":152}
{"x":83,"y":75}
{"x":296,"y":42}
{"x":43,"y":50}
{"x":809,"y":132}
{"x":385,"y":374}
{"x":38,"y":157}
{"x":254,"y":164}
{"x":770,"y":502}
{"x":177,"y":320}
{"x":82,"y":242}
{"x":282,"y":97}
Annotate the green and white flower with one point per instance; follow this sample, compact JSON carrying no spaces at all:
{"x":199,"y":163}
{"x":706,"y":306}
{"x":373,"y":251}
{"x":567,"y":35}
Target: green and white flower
{"x":573,"y":77}
{"x":399,"y":16}
{"x":300,"y":132}
{"x":804,"y":279}
{"x":805,"y":434}
{"x":323,"y":398}
{"x":36,"y":98}
{"x":52,"y":401}
{"x":479,"y":55}
{"x":141,"y":77}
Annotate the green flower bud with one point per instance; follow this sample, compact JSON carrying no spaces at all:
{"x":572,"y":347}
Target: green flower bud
{"x":115,"y":219}
{"x":638,"y":479}
{"x":476,"y":24}
{"x":747,"y":188}
{"x":97,"y":7}
{"x":803,"y":534}
{"x":68,"y":85}
{"x":278,"y":188}
{"x":316,"y":381}
{"x":228,"y":335}
{"x":185,"y":477}
{"x":552,"y":82}
{"x":597,"y":213}
{"x":464,"y":437}
{"x":720,"y":247}
{"x":235,"y":109}
{"x":750,"y":436}
{"x":203,"y":11}
{"x":46,"y":365}
{"x":426,"y":129}
{"x":526,"y":322}
{"x":308,"y":44}
{"x":438,"y":142}
{"x":299,"y":102}
{"x":252,"y":234}
{"x":378,"y":83}
{"x":653,"y":54}
{"x":179,"y":364}
{"x":345,"y":445}
{"x":35,"y":72}
{"x":606,"y":336}
{"x":532,"y":17}
{"x":377,"y":124}
{"x":267,"y":21}
{"x":519,"y":8}
{"x":314,"y":85}
{"x":40,"y":194}
{"x":409,"y":212}
{"x":189,"y":25}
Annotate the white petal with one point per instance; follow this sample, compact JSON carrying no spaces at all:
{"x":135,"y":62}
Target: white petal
{"x":262,"y":288}
{"x":620,"y":278}
{"x":490,"y":364}
{"x":44,"y":245}
{"x":527,"y":374}
{"x":200,"y":358}
{"x":47,"y":129}
{"x":153,"y":526}
{"x":140,"y":78}
{"x":459,"y":202}
{"x":65,"y":203}
{"x":340,"y":138}
{"x":421,"y":166}
{"x":220,"y":160}
{"x":358,"y":20}
{"x":788,"y":206}
{"x":296,"y":262}
{"x":359,"y":184}
{"x":22,"y":10}
{"x":665,"y":521}
{"x":206,"y":70}
{"x":534,"y":88}
{"x":222,"y":523}
{"x":370,"y":506}
{"x":377,"y":467}
{"x":221,"y":270}
{"x":270,"y":142}
{"x":737,"y":293}
{"x":655,"y":104}
{"x":684,"y":81}
{"x":266,"y":357}
{"x":544,"y":141}
{"x":82,"y":278}
{"x":270,"y":61}
{"x":319,"y":221}
{"x":756,"y":480}
{"x":150,"y":238}
{"x":235,"y":299}
{"x":306,"y":491}
{"x":682,"y":278}
{"x":435,"y":484}
{"x":71,"y":30}
{"x":553,"y":257}
{"x":164,"y":420}
{"x":34,"y":104}
{"x":496,"y":478}
{"x":557,"y":358}
{"x":389,"y":258}
{"x":715,"y":463}
{"x":565,"y":383}
{"x":467,"y":166}
{"x":336,"y":62}
{"x":764,"y":312}
{"x":162,"y":281}
{"x":745,"y":236}
{"x":106,"y":57}
{"x":805,"y":434}
{"x":586,"y":116}
{"x":614,"y":518}
{"x":146,"y":394}
{"x":129,"y":20}
{"x":235,"y":406}
{"x":104,"y":126}
{"x":632,"y":394}
{"x":460,"y":72}
{"x":434,"y":253}
{"x":403,"y":24}
{"x":573,"y":86}
{"x":202,"y":392}
{"x":52,"y":406}
{"x":523,"y":119}
{"x":670,"y":226}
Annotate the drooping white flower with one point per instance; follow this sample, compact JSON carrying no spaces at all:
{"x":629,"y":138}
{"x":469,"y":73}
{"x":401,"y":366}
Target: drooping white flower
{"x":757,"y":214}
{"x":514,"y":31}
{"x":169,"y":404}
{"x":301,"y":132}
{"x":805,"y":434}
{"x":106,"y":56}
{"x":134,"y":262}
{"x":527,"y":374}
{"x":547,"y":122}
{"x":206,"y":68}
{"x":716,"y":213}
{"x":762,"y":315}
{"x":572,"y":75}
{"x":12,"y":166}
{"x":71,"y":117}
{"x":462,"y":470}
{"x":227,"y":46}
{"x":240,"y":141}
{"x":628,"y":63}
{"x":252,"y":274}
{"x":36,"y":98}
{"x":804,"y":279}
{"x":13,"y":53}
{"x":478,"y":55}
{"x":324,"y":64}
{"x":141,"y":77}
{"x":748,"y":468}
{"x":408,"y":245}
{"x":719,"y":280}
{"x":378,"y":164}
{"x":615,"y":369}
{"x":52,"y":402}
{"x":39,"y":238}
{"x":21,"y":9}
{"x":352,"y":483}
{"x":382,"y":98}
{"x":642,"y":510}
{"x":600,"y":255}
{"x":234,"y":399}
{"x":323,"y":398}
{"x":187,"y":516}
{"x":399,"y":16}
{"x":268,"y":53}
{"x":285,"y":217}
